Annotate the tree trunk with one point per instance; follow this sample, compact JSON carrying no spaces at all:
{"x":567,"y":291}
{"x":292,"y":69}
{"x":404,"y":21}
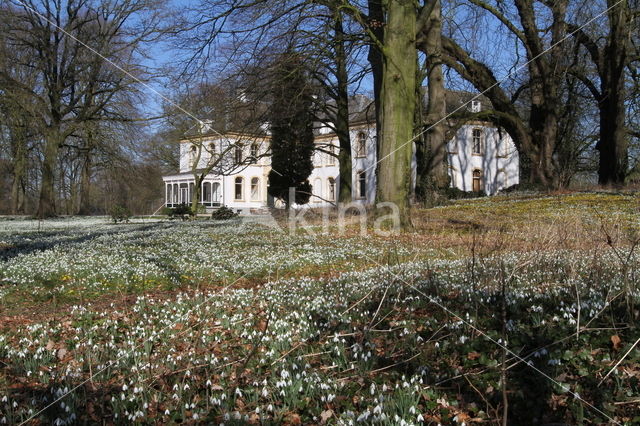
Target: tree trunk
{"x":85,"y":185}
{"x":376,"y":26}
{"x":613,"y":145}
{"x":18,"y":191}
{"x":398,"y":106}
{"x":544,"y":129}
{"x":431,"y":153}
{"x":197,"y":191}
{"x":342,"y":113}
{"x":46,"y":203}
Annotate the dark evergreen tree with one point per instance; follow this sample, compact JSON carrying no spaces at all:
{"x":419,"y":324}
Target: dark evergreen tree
{"x":291,"y":131}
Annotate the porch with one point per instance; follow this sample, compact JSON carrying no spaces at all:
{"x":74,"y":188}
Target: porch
{"x":181,"y":191}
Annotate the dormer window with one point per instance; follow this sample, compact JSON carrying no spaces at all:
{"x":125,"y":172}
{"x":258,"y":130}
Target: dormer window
{"x":254,"y":152}
{"x":238,"y":154}
{"x":476,"y":106}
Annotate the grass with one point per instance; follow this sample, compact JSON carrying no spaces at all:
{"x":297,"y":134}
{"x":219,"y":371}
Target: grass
{"x":220,"y":323}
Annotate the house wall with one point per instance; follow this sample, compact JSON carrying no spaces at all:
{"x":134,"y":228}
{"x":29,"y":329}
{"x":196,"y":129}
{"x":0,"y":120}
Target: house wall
{"x":498,"y":165}
{"x":498,"y":161}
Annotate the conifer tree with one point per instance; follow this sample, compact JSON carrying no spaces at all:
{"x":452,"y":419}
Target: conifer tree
{"x":291,"y":131}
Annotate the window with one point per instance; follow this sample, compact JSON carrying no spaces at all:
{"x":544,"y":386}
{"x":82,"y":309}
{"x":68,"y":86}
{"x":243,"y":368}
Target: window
{"x":239,"y":183}
{"x":476,"y":106}
{"x":317,"y":190}
{"x":169,"y":194}
{"x":477,"y":180}
{"x":175,"y":193}
{"x":206,"y":192}
{"x":213,"y":153}
{"x":254,"y":152}
{"x":331,"y":159}
{"x":362,"y":184}
{"x":215,"y":193}
{"x":238,"y":154}
{"x":361,"y":145}
{"x":192,"y":156}
{"x":191,"y":192}
{"x":255,"y":189}
{"x":477,"y":141}
{"x":332,"y":189}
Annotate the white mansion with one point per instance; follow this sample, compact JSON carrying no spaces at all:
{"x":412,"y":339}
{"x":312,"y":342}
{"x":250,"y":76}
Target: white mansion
{"x":235,"y":166}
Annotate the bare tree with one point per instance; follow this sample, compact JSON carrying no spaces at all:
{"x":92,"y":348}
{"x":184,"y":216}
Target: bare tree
{"x":535,"y":127}
{"x":612,"y":56}
{"x":74,"y":46}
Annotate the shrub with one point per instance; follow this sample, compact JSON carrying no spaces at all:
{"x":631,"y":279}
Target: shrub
{"x":223,"y":213}
{"x":120,"y":214}
{"x":182,"y":211}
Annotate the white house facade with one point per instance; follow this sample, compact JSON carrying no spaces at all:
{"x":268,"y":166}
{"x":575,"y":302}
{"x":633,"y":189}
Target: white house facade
{"x":234,"y":166}
{"x":482,"y":158}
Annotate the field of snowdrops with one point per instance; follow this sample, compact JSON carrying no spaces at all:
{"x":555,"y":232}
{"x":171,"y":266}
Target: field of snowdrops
{"x":235,"y":323}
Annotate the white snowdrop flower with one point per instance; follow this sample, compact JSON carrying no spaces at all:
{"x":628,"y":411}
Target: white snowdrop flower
{"x":412,"y":410}
{"x":125,"y":387}
{"x":209,"y":383}
{"x":186,"y":386}
{"x":238,"y":392}
{"x":419,"y":419}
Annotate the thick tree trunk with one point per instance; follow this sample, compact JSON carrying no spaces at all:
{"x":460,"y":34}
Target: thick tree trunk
{"x":544,"y":129}
{"x":85,"y":185}
{"x":376,"y":26}
{"x":46,"y":203}
{"x":197,"y":192}
{"x":342,"y":114}
{"x":18,"y":192}
{"x":398,"y":106}
{"x":613,"y":144}
{"x":431,"y":153}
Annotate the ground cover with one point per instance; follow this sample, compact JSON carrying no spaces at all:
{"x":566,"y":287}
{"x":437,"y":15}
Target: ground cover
{"x":244,"y":324}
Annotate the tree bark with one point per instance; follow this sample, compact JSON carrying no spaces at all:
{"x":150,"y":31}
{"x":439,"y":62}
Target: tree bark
{"x":18,"y":192}
{"x":376,"y":26}
{"x":342,"y":113}
{"x":84,"y":207}
{"x":398,"y":104}
{"x":431,"y":152}
{"x":46,"y":203}
{"x":613,"y":144}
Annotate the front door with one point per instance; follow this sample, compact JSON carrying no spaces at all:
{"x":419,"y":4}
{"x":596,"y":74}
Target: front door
{"x":477,"y":180}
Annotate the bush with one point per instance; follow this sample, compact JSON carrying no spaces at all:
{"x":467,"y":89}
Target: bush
{"x":223,"y":213}
{"x":458,"y":194}
{"x":120,"y":214}
{"x":182,"y":211}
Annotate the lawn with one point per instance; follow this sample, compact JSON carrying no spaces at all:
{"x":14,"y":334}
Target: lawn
{"x":523,"y":304}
